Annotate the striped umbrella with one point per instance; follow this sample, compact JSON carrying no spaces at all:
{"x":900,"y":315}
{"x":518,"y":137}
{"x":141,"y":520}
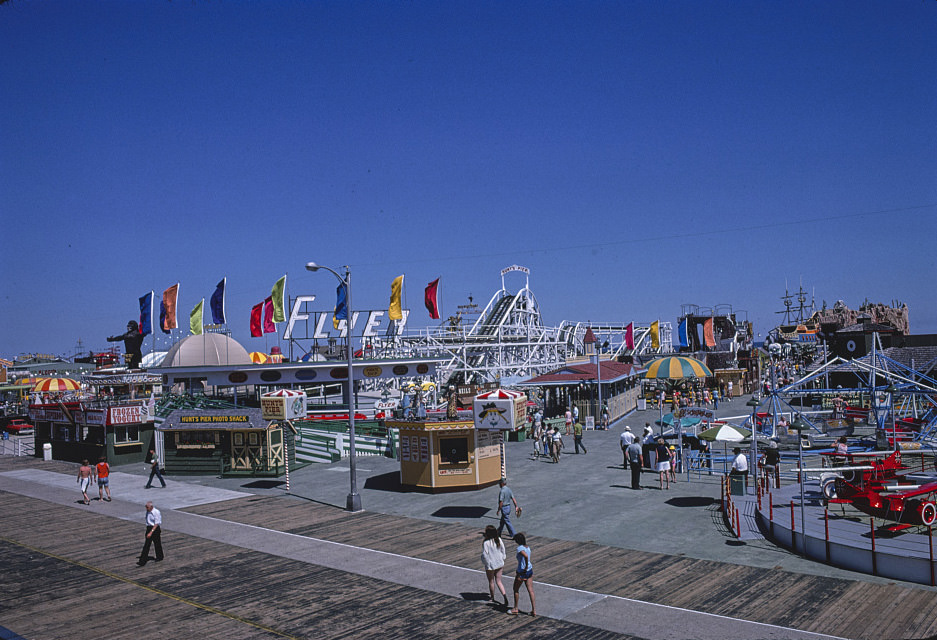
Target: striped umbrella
{"x":677,"y":368}
{"x":259,"y":357}
{"x":56,"y":384}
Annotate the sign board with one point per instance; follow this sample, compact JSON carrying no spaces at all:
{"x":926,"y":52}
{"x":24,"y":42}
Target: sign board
{"x":501,"y":410}
{"x":131,"y":414}
{"x":283,"y":407}
{"x":590,"y":422}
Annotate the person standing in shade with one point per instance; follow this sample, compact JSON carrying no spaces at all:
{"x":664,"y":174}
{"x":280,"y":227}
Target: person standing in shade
{"x":577,"y":437}
{"x":524,"y":574}
{"x":634,"y":453}
{"x":85,"y":475}
{"x":153,"y":535}
{"x":493,"y":556}
{"x":103,"y":471}
{"x":154,"y":471}
{"x":506,"y":503}
{"x":625,"y":441}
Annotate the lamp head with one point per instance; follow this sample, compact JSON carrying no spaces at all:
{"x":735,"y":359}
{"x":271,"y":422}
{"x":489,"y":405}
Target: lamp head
{"x":312,"y":266}
{"x":753,"y":402}
{"x":891,"y":388}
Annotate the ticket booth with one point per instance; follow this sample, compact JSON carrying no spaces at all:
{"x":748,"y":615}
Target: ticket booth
{"x":448,"y":456}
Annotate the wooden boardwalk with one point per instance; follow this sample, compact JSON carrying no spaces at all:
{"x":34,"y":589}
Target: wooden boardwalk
{"x":68,"y":573}
{"x":68,"y":570}
{"x":819,"y":604}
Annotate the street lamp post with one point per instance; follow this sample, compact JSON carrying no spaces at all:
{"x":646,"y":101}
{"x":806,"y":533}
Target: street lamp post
{"x":800,"y":426}
{"x":753,"y":403}
{"x":894,"y":429}
{"x":353,"y":501}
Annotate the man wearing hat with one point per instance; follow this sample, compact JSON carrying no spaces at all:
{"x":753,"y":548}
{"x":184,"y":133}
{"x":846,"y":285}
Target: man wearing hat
{"x":626,"y":439}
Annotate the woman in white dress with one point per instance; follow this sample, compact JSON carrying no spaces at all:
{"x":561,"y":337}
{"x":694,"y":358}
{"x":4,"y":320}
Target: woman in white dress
{"x":493,"y":555}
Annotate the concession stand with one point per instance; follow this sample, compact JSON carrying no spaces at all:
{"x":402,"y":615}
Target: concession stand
{"x":459,"y":455}
{"x":237,"y":441}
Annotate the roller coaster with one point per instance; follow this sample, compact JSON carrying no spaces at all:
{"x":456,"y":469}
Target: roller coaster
{"x":508,"y":340}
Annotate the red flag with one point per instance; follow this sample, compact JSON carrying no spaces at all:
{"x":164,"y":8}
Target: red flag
{"x":269,"y":327}
{"x":257,"y":312}
{"x":429,"y":299}
{"x":170,"y":296}
{"x":629,"y":336}
{"x":708,"y":333}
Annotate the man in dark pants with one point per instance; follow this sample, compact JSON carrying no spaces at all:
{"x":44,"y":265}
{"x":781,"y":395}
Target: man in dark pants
{"x":577,"y":437}
{"x":634,"y":452}
{"x":154,"y":471}
{"x":153,"y":521}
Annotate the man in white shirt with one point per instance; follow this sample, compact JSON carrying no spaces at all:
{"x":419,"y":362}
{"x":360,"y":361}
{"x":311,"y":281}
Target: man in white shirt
{"x":626,"y":439}
{"x":740,"y":466}
{"x":153,"y":521}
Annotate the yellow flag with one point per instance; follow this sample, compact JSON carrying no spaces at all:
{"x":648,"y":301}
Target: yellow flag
{"x":655,"y":334}
{"x":195,"y":318}
{"x":394,"y":312}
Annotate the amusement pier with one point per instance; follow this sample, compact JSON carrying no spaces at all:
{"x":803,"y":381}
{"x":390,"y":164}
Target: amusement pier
{"x":337,"y":484}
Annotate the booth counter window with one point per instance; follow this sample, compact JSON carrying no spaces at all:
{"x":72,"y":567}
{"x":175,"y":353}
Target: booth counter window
{"x":453,"y":450}
{"x":124,"y":435}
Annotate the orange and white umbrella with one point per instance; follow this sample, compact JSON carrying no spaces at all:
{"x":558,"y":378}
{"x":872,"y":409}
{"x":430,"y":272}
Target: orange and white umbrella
{"x":259,"y":357}
{"x":56,"y":384}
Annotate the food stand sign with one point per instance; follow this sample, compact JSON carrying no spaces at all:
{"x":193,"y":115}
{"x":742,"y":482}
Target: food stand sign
{"x":500,"y":410}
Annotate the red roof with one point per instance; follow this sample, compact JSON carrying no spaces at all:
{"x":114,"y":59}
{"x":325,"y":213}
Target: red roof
{"x":612,"y":371}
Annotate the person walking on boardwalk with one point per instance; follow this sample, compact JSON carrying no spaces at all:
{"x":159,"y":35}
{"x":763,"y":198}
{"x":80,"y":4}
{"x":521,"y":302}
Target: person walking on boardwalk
{"x":506,"y":503}
{"x":85,"y":475}
{"x":625,"y":441}
{"x":493,"y":556}
{"x":153,"y":521}
{"x":154,"y":470}
{"x":569,"y":420}
{"x":103,"y":471}
{"x":524,"y":574}
{"x":577,"y":437}
{"x":663,"y":463}
{"x":634,"y":453}
{"x":556,"y":445}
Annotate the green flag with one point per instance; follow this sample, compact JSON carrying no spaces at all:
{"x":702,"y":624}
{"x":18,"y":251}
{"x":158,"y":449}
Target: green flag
{"x":279,"y":288}
{"x":195,"y":318}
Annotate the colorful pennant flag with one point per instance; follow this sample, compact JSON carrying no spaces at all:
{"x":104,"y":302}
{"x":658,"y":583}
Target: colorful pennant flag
{"x":195,"y":318}
{"x":269,"y":327}
{"x":146,"y":314}
{"x":279,"y":304}
{"x":655,"y":334}
{"x":217,"y":303}
{"x":170,"y":297}
{"x":682,"y":333}
{"x":257,"y":313}
{"x":708,"y":336}
{"x":429,"y":299}
{"x":341,"y":307}
{"x":396,"y":287}
{"x":629,"y":336}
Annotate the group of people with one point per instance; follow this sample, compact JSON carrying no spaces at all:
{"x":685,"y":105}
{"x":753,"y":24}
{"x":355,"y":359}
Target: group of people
{"x":633,"y":449}
{"x":494,"y":554}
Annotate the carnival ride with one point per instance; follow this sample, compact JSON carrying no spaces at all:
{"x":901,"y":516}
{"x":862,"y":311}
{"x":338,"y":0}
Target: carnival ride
{"x":509,"y":340}
{"x":882,"y":485}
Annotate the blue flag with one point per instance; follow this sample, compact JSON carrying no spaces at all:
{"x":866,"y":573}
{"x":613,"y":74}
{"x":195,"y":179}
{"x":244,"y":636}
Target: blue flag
{"x":341,"y":306}
{"x":217,"y":303}
{"x":684,"y":342}
{"x":162,"y":317}
{"x":146,"y":314}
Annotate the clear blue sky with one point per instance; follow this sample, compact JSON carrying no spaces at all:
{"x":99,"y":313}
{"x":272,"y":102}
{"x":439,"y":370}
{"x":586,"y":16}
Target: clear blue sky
{"x":634,"y":155}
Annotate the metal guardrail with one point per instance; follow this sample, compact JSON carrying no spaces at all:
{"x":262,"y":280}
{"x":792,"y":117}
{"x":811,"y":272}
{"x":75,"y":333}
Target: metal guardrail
{"x":17,"y":447}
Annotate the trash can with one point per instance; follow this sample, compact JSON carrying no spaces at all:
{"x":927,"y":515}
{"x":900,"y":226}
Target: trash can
{"x":737,"y":485}
{"x":47,"y":451}
{"x":517,"y":436}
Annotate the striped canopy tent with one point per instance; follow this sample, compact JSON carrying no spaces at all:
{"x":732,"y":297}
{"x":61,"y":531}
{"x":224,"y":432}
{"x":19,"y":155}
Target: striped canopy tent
{"x":677,"y":368}
{"x":259,"y":357}
{"x":55,"y":384}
